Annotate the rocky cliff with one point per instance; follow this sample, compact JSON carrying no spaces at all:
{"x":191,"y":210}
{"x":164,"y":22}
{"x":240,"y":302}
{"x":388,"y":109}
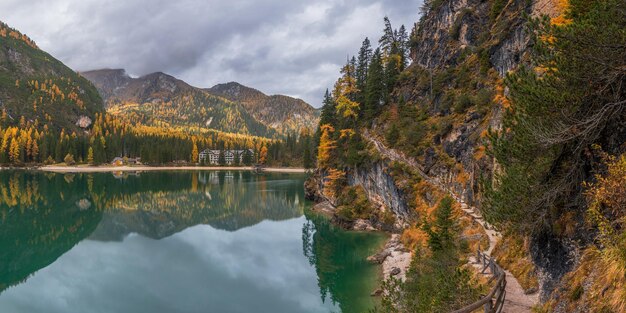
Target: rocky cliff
{"x":381,"y":189}
{"x":462,"y":51}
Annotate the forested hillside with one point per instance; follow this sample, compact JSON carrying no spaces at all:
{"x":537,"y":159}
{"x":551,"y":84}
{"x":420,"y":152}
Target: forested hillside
{"x":39,"y":89}
{"x":161,"y":100}
{"x":283,"y":113}
{"x":515,"y":107}
{"x":50,"y":114}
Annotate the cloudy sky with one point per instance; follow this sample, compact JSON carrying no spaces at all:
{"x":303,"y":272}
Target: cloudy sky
{"x":292,"y":47}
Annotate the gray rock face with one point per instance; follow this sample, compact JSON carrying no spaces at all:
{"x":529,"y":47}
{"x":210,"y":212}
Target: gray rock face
{"x":437,"y":46}
{"x":380,"y":188}
{"x":378,"y":184}
{"x":508,"y":54}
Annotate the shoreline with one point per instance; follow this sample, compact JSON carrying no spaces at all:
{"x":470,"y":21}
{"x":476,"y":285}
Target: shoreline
{"x":393,"y":258}
{"x":143,"y":168}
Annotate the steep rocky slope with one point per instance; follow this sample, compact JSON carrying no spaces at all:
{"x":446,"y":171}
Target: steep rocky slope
{"x":36,"y":86}
{"x":444,"y":110}
{"x":283,"y":113}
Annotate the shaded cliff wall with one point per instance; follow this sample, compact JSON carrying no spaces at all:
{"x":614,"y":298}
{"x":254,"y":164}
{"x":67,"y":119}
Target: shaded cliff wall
{"x":381,"y":189}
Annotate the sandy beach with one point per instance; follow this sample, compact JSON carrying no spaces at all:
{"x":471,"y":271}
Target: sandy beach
{"x":98,"y":169}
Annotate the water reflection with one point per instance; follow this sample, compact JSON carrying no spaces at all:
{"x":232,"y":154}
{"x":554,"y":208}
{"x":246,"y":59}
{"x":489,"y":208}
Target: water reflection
{"x":71,"y":242}
{"x":339,"y":266}
{"x":42,"y":217}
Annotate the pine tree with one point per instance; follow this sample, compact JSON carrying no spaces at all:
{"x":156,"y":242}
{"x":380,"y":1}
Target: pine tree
{"x":393,"y":66}
{"x":327,"y":115}
{"x":403,"y":47}
{"x":376,"y":88}
{"x":388,"y":40}
{"x":362,"y":67}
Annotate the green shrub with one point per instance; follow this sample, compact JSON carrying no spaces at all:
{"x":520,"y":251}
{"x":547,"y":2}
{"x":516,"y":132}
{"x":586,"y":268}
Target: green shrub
{"x":354,"y":204}
{"x":392,"y":135}
{"x":462,"y":103}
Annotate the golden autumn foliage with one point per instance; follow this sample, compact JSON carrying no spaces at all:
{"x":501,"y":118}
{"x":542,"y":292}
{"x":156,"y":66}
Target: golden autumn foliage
{"x":414,"y":238}
{"x":561,"y":19}
{"x":194,"y":152}
{"x":345,"y":88}
{"x":422,"y":207}
{"x":326,"y":146}
{"x":500,"y":96}
{"x":263,"y":155}
{"x":347,"y":133}
{"x":462,"y":176}
{"x":608,"y":194}
{"x":6,"y":31}
{"x":334,"y":182}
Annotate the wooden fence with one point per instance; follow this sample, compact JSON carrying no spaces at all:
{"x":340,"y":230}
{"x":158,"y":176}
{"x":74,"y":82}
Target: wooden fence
{"x":494,"y":301}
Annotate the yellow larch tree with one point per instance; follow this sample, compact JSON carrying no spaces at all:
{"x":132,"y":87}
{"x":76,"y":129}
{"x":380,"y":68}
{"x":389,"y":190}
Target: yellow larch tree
{"x":326,"y":146}
{"x":345,"y":89}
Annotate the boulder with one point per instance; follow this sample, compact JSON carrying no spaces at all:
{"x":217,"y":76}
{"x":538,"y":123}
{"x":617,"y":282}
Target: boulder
{"x":83,"y":121}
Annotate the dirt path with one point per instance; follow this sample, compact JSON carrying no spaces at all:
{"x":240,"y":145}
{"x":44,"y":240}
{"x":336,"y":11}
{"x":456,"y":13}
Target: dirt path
{"x":516,"y":300}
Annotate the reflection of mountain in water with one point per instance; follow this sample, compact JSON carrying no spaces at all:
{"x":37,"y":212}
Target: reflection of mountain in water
{"x":42,"y":218}
{"x":224,"y":200}
{"x":44,"y":215}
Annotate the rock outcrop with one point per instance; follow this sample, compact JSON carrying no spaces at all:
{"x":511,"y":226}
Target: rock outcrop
{"x":381,"y":189}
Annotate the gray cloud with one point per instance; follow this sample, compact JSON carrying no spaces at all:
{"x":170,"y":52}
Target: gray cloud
{"x":278,"y":46}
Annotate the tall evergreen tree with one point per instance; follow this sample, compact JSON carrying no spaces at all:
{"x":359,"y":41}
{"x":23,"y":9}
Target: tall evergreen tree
{"x":403,"y":47}
{"x":388,"y":40}
{"x":362,"y":67}
{"x":328,"y":109}
{"x":375,"y":86}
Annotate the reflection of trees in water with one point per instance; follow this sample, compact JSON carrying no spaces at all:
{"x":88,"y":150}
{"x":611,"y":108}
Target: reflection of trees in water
{"x":224,"y":200}
{"x":339,"y":257}
{"x":42,"y":217}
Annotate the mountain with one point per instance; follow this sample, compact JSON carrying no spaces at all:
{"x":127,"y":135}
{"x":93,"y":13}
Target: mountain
{"x":283,"y":113}
{"x":38,"y":87}
{"x":160,"y":99}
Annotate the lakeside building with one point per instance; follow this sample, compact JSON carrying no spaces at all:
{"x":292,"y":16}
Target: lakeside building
{"x":212,"y":157}
{"x":120,"y":161}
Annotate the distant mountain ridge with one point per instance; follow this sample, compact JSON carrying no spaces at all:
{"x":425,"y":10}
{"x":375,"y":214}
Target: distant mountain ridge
{"x":281,"y":112}
{"x":160,"y":98}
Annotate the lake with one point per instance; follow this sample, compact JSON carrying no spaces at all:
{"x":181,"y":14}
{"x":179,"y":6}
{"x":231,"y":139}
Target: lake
{"x":221,"y":241}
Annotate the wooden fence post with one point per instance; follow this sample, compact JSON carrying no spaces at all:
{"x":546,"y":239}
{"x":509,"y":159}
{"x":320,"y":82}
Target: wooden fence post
{"x":488,"y":306}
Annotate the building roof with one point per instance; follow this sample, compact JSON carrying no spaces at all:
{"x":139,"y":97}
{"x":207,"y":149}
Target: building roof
{"x":210,"y":151}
